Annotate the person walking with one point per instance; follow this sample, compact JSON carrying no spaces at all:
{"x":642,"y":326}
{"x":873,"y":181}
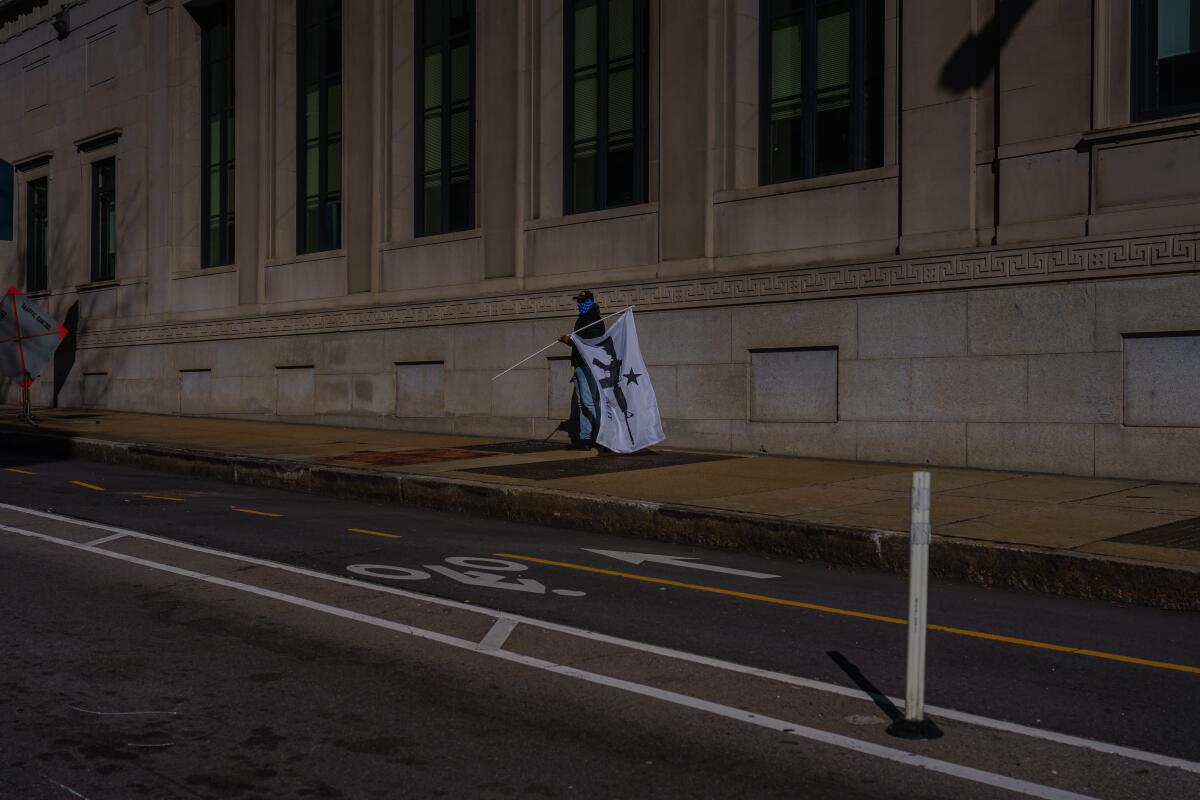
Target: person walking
{"x":588,"y":326}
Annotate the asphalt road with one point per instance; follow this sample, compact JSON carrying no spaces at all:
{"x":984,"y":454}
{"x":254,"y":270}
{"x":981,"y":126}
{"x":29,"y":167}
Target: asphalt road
{"x":284,"y":701}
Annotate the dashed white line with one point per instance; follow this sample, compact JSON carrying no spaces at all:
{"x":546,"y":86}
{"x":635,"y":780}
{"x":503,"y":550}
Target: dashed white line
{"x":64,"y":787}
{"x":106,"y":539}
{"x":499,"y":634}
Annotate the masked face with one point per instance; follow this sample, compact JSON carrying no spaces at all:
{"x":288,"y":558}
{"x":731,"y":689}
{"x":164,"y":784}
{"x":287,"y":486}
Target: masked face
{"x":585,"y":305}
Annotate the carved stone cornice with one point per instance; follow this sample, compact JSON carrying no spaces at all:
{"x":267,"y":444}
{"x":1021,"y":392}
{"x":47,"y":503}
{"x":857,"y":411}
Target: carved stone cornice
{"x":1080,"y":260}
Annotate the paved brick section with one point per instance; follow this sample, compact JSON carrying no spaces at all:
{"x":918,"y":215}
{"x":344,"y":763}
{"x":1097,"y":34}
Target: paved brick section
{"x":1063,"y":534}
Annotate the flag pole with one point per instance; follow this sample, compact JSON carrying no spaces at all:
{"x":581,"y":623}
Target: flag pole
{"x":547,"y":347}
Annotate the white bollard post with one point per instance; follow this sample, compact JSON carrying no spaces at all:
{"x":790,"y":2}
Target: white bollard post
{"x":914,"y":725}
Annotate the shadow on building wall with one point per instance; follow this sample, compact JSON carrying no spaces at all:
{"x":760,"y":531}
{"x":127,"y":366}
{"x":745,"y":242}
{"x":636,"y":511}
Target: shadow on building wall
{"x":979,"y":54}
{"x":64,"y":356}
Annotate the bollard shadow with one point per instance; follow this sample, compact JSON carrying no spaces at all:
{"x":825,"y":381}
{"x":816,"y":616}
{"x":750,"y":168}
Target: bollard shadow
{"x":900,"y":727}
{"x":861,"y":681}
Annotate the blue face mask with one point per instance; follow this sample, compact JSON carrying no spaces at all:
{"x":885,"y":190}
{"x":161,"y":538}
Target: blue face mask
{"x":586,"y":306}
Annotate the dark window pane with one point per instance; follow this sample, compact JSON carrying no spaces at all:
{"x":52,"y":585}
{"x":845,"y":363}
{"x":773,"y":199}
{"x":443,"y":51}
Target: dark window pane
{"x":780,"y":8}
{"x":460,"y":73}
{"x":786,"y":127}
{"x":433,"y":143}
{"x":333,"y":109}
{"x":460,"y":203}
{"x":460,"y":17}
{"x":445,"y":102}
{"x":432,"y":85}
{"x":873,"y":99}
{"x":214,"y":235}
{"x":433,"y":204}
{"x":460,"y":139}
{"x":1178,"y":53}
{"x":620,"y":29}
{"x":822,"y":92}
{"x":586,"y":33}
{"x":1179,"y":80}
{"x":333,"y":167}
{"x":833,"y":46}
{"x":313,"y":39}
{"x":333,"y":47}
{"x":312,"y":227}
{"x":586,"y":111}
{"x":584,"y":178}
{"x":320,"y":125}
{"x":786,"y":141}
{"x":104,"y":220}
{"x":217,"y":146}
{"x":432,"y":15}
{"x":621,"y":174}
{"x":332,"y":227}
{"x":312,"y":173}
{"x":787,"y":65}
{"x":835,"y":142}
{"x":606,"y":123}
{"x":620,"y":102}
{"x":37,"y":208}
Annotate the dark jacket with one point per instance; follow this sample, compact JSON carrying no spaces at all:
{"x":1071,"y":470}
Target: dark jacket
{"x":588,"y":326}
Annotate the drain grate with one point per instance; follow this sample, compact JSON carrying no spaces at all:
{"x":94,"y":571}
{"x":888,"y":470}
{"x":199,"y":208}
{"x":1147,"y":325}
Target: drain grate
{"x":1182,"y":534}
{"x":600,"y":465}
{"x":400,"y":458}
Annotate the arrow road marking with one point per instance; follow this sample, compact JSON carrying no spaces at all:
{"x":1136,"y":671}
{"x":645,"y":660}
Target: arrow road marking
{"x":676,"y":561}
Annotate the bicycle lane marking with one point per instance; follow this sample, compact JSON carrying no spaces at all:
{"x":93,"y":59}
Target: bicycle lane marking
{"x":702,"y":660}
{"x":486,"y":648}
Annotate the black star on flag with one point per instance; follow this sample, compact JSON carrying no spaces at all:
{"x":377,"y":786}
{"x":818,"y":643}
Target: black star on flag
{"x":631,"y":377}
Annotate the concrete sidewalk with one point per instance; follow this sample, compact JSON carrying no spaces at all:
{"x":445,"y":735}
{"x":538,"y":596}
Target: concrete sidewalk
{"x":1122,"y":540}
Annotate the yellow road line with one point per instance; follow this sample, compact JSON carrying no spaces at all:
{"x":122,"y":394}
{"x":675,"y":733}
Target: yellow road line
{"x":373,"y":533}
{"x":992,"y":637}
{"x":19,"y":471}
{"x":257,"y":513}
{"x":711,"y":589}
{"x":91,"y":486}
{"x":162,"y":497}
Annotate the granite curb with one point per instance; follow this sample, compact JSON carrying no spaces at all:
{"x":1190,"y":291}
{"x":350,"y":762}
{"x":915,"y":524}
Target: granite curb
{"x":1090,"y":576}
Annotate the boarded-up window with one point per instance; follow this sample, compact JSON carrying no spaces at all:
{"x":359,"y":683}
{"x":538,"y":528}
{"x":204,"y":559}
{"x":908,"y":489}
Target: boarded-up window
{"x":794,"y":385}
{"x":420,"y":389}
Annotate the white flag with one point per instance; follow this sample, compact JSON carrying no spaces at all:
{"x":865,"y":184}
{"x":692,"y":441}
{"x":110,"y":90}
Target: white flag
{"x":628,"y":409}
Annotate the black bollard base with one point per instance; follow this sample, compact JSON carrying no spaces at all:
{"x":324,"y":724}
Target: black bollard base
{"x":916,"y":729}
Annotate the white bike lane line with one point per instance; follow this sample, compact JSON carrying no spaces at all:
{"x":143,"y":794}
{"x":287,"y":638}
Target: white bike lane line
{"x":487,"y":648}
{"x":115,"y":533}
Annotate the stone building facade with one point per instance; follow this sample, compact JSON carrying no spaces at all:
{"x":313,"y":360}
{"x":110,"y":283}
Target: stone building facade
{"x":999,"y":272}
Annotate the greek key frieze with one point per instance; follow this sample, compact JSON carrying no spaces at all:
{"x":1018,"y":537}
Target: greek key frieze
{"x":1176,"y":252}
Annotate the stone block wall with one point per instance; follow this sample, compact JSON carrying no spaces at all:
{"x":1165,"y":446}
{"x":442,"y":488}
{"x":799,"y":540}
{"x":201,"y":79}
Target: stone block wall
{"x":1041,"y":378}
